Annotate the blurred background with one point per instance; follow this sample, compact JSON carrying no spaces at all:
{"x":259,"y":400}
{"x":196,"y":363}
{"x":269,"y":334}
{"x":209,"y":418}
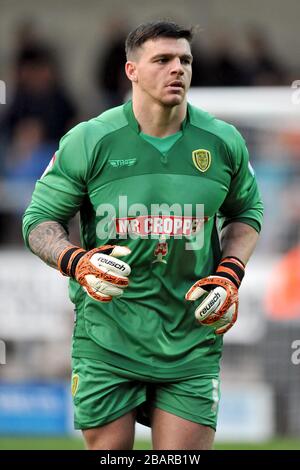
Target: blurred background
{"x":62,"y":62}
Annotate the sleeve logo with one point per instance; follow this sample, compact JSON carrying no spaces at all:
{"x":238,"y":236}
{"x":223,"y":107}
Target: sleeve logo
{"x":49,"y":166}
{"x":251,"y":169}
{"x":75,"y":381}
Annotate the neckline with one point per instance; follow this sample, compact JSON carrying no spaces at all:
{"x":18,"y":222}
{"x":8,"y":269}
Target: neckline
{"x":133,"y":123}
{"x":162,"y":139}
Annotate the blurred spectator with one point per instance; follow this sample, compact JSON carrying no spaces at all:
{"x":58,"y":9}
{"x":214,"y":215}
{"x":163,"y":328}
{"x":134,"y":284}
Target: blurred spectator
{"x":228,"y":69}
{"x":223,"y":65}
{"x":26,"y":159}
{"x":38,"y":115}
{"x":263,"y":68}
{"x":39,"y":95}
{"x":26,"y":37}
{"x":110,"y":75}
{"x":29,"y":153}
{"x":203,"y":73}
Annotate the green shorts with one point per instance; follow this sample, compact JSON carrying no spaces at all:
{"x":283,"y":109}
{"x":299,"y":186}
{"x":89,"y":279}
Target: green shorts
{"x":103,"y":393}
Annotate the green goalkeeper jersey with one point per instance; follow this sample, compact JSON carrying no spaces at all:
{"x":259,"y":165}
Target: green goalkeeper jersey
{"x":165,"y":203}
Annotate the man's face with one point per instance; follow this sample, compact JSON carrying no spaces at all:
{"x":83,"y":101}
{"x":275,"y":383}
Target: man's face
{"x":163,"y":70}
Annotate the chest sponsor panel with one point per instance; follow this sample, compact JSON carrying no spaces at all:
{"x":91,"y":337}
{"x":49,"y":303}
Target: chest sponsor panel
{"x":159,"y":225}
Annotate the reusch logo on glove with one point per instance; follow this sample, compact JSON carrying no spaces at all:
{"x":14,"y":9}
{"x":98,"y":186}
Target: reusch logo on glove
{"x":211,"y":304}
{"x":112,"y":263}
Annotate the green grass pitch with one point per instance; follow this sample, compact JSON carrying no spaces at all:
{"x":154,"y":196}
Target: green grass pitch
{"x":68,"y":443}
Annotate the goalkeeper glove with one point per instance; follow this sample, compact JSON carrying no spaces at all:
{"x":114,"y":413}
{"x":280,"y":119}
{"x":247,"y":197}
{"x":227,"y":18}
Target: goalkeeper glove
{"x":219,"y":306}
{"x":101,"y":274}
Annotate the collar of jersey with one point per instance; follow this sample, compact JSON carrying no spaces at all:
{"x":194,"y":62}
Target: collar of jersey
{"x":135,"y":125}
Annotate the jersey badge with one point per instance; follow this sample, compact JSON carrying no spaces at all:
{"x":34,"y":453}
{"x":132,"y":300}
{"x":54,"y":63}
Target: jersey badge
{"x":201,"y":159}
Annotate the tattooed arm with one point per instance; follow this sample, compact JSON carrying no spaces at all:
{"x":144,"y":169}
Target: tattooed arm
{"x":47,"y":240}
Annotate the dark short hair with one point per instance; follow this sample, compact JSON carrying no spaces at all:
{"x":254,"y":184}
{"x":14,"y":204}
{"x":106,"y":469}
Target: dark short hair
{"x":154,"y":30}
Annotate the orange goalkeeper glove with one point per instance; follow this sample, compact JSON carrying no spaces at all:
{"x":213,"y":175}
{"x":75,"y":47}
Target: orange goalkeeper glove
{"x":219,"y":306}
{"x":100,"y":272}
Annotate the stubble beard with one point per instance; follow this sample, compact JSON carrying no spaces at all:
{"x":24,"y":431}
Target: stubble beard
{"x":173,"y":99}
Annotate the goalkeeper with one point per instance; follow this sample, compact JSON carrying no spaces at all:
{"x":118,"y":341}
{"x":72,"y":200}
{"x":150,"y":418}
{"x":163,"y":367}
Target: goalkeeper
{"x":150,"y":311}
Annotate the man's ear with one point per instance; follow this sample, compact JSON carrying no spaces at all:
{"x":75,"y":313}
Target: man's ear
{"x":130,"y":70}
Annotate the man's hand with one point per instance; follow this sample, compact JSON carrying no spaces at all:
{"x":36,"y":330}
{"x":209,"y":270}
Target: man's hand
{"x":100,"y":272}
{"x":219,"y":304}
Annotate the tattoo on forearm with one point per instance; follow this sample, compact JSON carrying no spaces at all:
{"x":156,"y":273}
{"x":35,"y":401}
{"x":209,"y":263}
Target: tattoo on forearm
{"x":47,"y":240}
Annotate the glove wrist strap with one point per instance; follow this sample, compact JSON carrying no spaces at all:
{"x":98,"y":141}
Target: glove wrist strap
{"x":68,"y":260}
{"x":232,"y":268}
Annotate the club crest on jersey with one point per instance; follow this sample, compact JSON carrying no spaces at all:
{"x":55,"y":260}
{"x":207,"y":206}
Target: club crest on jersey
{"x":201,"y":159}
{"x":161,"y":250}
